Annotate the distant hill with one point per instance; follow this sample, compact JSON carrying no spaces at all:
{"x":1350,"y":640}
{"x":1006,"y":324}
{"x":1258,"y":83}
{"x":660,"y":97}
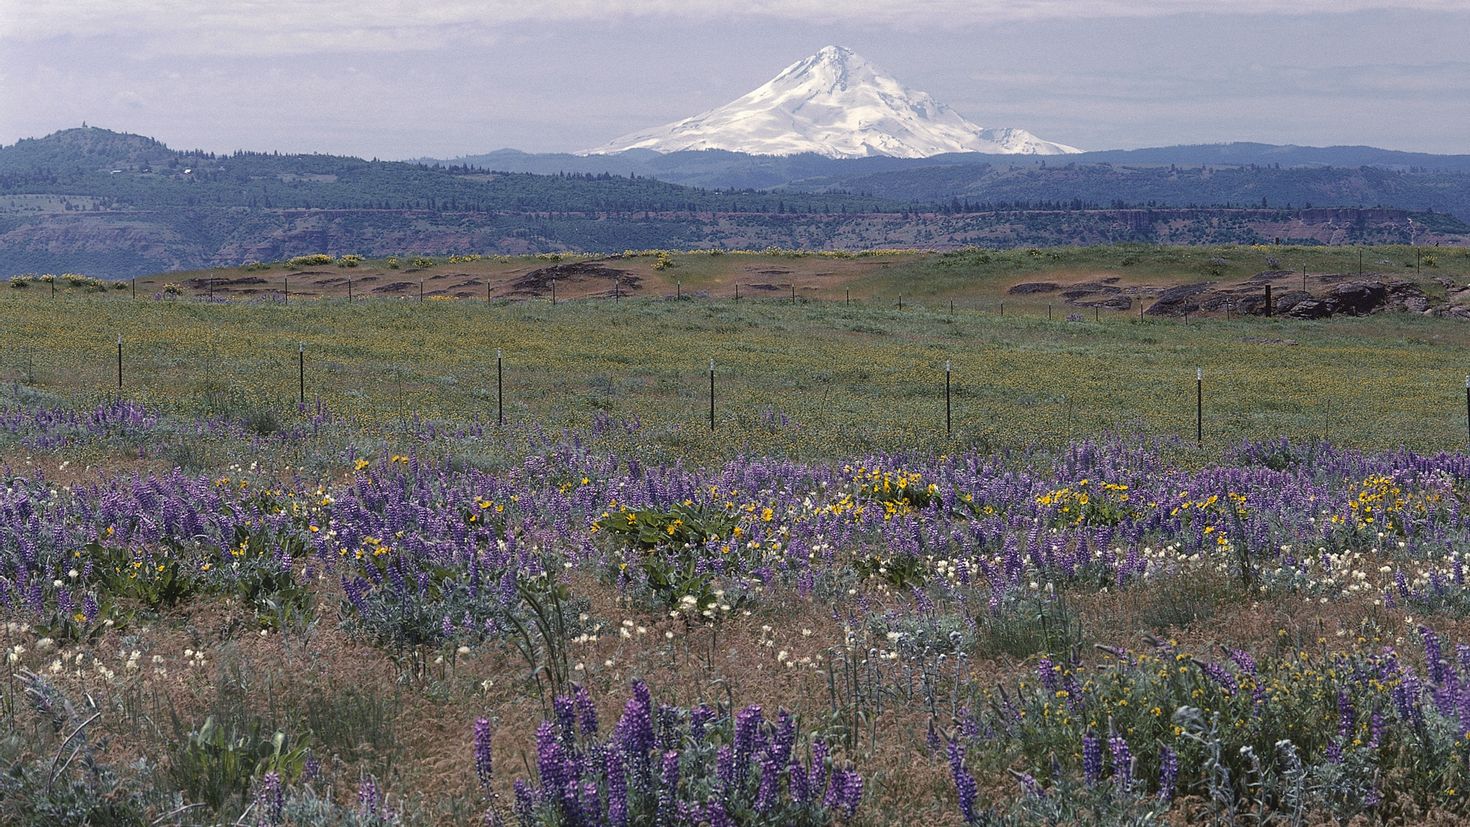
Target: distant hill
{"x":718,"y":168}
{"x":111,"y":204}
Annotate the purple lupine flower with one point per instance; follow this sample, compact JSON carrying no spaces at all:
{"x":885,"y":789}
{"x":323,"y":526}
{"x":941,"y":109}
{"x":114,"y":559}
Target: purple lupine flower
{"x":1122,"y":762}
{"x":834,"y":791}
{"x":785,"y":738}
{"x":369,"y":799}
{"x":1334,"y":752}
{"x":635,"y":728}
{"x":852,"y":792}
{"x":1046,"y":672}
{"x":747,"y":726}
{"x":564,"y":711}
{"x":699,"y":718}
{"x":817,"y":778}
{"x":964,"y":782}
{"x":1221,"y":676}
{"x":617,"y":788}
{"x":1092,"y":758}
{"x":525,"y":802}
{"x":1433,"y":655}
{"x":1347,"y":717}
{"x":765,"y":795}
{"x":668,"y":789}
{"x":483,"y":763}
{"x":797,"y":783}
{"x":1168,"y":773}
{"x":717,"y":816}
{"x":1244,"y":660}
{"x":725,"y":769}
{"x":271,"y":800}
{"x":549,"y":761}
{"x":586,"y":712}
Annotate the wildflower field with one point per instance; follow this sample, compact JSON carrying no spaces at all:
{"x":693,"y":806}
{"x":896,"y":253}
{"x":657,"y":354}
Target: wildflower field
{"x":382,"y":605}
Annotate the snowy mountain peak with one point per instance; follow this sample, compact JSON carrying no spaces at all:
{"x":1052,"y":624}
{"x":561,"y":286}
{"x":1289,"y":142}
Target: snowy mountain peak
{"x":834,"y":103}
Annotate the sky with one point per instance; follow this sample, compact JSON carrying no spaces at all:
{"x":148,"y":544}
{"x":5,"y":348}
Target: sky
{"x":397,"y":79}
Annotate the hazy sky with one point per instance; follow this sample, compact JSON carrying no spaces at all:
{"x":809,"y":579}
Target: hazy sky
{"x":395,"y":79}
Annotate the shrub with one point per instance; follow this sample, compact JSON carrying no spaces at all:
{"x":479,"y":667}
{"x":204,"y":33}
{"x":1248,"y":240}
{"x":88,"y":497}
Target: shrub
{"x":310,"y":260}
{"x":218,"y":764}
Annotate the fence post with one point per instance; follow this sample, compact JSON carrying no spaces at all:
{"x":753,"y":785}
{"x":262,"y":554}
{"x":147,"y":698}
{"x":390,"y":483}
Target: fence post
{"x":1199,"y":407}
{"x":499,"y":387}
{"x":1268,"y":301}
{"x":119,"y":363}
{"x":553,"y":292}
{"x":135,"y":287}
{"x":711,"y":394}
{"x":793,"y":292}
{"x":301,"y":374}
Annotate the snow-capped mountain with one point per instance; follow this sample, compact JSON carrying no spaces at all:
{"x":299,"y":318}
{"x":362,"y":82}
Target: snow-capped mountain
{"x":836,"y":104}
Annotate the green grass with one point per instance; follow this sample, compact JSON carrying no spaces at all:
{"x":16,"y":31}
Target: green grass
{"x":848,"y":379}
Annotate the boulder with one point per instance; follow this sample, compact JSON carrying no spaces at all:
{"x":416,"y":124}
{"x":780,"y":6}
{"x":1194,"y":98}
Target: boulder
{"x":1311,"y":309}
{"x":1359,"y":298}
{"x":1287,"y":299}
{"x":1176,"y":301}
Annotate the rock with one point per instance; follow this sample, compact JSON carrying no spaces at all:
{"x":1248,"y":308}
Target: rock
{"x":1359,"y":298}
{"x":1176,"y":301}
{"x":1310,"y":309}
{"x":1029,"y":287}
{"x":1407,"y":295}
{"x":1287,"y":299}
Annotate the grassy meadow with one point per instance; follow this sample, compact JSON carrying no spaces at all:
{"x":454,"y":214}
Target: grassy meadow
{"x":811,"y":379}
{"x":381,"y":607}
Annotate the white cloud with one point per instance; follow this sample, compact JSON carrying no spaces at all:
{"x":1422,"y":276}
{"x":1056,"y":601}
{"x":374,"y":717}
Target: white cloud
{"x":295,"y":26}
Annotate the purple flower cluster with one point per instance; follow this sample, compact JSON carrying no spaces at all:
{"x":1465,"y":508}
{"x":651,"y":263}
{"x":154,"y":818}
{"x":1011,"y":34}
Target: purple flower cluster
{"x":712,"y":767}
